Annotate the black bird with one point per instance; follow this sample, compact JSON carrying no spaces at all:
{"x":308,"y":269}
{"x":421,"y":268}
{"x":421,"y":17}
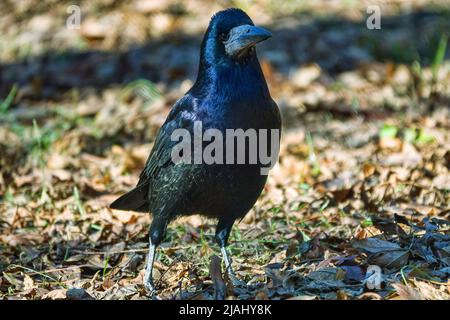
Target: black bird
{"x":230,"y":93}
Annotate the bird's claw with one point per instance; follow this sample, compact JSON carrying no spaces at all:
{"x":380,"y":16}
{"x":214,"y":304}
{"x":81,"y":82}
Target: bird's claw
{"x":235,"y":281}
{"x":150,"y":287}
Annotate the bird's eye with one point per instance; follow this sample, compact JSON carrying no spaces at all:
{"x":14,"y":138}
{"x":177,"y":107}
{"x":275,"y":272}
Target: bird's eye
{"x":223,"y":36}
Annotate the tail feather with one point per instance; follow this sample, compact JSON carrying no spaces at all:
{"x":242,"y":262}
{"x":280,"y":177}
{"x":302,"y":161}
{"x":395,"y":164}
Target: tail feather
{"x":134,"y":200}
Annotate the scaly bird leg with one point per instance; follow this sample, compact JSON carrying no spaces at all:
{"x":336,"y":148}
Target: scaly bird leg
{"x":157,"y":231}
{"x":222,"y":234}
{"x":227,"y":259}
{"x":148,"y":278}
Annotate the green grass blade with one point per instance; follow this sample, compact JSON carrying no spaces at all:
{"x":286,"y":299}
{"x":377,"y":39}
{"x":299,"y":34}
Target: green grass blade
{"x":4,"y":106}
{"x":439,"y":56}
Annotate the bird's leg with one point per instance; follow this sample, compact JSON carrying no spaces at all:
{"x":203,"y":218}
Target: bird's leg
{"x":148,"y":277}
{"x":157,"y":231}
{"x":223,"y":230}
{"x":227,"y":259}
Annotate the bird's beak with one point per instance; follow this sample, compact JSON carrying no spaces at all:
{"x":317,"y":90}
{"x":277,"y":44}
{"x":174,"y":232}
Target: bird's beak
{"x":244,"y":37}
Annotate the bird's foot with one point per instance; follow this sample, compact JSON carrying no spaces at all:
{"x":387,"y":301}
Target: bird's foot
{"x":150,"y":287}
{"x":235,"y":281}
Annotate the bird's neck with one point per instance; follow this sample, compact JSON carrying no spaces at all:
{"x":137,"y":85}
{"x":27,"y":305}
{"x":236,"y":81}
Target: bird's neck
{"x":231,"y":79}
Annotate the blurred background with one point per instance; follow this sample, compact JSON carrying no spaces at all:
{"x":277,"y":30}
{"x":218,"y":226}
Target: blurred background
{"x":365,"y":148}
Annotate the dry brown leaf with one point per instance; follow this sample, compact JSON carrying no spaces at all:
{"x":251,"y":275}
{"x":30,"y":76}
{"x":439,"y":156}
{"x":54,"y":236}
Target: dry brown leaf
{"x":58,"y":294}
{"x":421,"y":291}
{"x":15,"y":240}
{"x":406,"y":292}
{"x":429,"y":292}
{"x":28,"y":282}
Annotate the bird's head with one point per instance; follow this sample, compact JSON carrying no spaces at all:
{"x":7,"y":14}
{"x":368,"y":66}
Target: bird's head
{"x":231,"y":36}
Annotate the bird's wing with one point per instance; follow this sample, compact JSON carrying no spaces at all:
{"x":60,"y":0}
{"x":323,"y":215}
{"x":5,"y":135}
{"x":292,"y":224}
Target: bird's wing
{"x":181,"y":116}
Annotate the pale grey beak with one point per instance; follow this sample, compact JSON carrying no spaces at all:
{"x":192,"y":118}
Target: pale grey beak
{"x":244,"y":37}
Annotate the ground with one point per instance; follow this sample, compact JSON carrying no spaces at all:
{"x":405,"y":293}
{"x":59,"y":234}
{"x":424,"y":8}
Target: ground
{"x":360,"y":193}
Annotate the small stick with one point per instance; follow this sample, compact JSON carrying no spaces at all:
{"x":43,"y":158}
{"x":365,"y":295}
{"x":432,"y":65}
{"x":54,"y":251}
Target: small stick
{"x":215,"y":271}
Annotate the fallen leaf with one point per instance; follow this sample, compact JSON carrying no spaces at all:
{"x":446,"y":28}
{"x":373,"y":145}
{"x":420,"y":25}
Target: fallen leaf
{"x":28,"y":282}
{"x":58,"y":294}
{"x":374,"y":245}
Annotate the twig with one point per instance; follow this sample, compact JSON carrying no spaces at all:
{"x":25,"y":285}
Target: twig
{"x":215,"y":271}
{"x":109,"y":252}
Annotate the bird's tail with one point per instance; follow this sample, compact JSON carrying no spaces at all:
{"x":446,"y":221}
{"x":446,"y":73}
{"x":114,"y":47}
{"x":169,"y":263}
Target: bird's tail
{"x":134,"y":200}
